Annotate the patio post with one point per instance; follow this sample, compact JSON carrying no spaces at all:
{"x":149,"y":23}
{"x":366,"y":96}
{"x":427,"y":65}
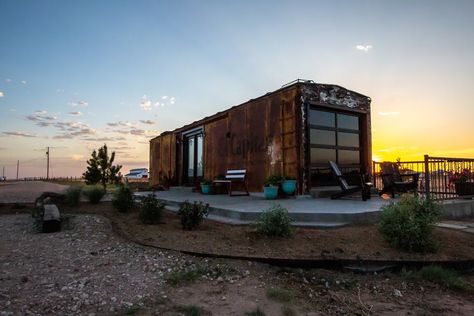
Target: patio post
{"x":427,"y":177}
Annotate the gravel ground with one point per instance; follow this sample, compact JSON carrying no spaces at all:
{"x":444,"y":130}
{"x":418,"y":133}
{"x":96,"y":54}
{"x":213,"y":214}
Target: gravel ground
{"x":84,"y":270}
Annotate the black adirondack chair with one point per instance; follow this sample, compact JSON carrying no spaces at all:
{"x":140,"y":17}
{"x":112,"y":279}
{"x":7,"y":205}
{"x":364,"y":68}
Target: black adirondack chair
{"x":396,"y":182}
{"x":346,"y":189}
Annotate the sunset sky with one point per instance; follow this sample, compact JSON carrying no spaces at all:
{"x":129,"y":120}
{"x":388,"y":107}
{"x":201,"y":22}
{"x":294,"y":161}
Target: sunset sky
{"x":77,"y":74}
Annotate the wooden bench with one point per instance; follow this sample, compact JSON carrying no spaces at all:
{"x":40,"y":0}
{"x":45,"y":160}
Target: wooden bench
{"x":233,"y":177}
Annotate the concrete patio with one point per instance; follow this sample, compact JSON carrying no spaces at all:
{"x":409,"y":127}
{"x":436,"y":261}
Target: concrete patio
{"x":304,"y":210}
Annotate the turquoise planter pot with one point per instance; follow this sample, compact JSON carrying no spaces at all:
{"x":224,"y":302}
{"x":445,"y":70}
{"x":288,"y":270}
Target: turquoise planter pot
{"x":206,"y":188}
{"x":270,"y":193}
{"x":289,"y":186}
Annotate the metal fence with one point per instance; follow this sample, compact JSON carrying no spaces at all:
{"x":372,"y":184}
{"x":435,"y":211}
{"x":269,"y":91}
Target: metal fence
{"x":441,"y":178}
{"x":53,"y":179}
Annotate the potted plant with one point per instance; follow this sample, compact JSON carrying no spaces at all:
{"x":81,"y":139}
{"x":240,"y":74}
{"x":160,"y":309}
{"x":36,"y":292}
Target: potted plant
{"x":463,"y":182}
{"x":206,"y":186}
{"x":288,"y":185}
{"x":270,"y":187}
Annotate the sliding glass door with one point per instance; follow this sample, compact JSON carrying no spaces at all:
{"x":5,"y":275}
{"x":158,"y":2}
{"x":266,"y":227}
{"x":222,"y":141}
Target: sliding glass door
{"x":193,"y":157}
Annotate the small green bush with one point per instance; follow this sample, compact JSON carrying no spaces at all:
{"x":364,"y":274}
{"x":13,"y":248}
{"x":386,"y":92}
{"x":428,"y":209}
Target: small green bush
{"x":280,"y":294}
{"x":275,"y":222}
{"x":192,"y":214}
{"x":445,"y":277}
{"x":273,"y":180}
{"x":151,"y":210}
{"x":408,"y":224}
{"x":73,"y":195}
{"x":255,"y":312}
{"x":94,"y":193}
{"x":123,"y":199}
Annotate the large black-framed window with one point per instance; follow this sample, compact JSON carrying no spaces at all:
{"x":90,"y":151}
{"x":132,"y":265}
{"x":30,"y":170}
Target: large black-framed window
{"x":336,"y":136}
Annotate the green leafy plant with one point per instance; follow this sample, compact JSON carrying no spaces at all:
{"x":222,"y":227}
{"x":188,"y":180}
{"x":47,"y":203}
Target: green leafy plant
{"x":191,"y":215}
{"x":206,"y":182}
{"x":275,"y":222}
{"x":445,"y":277}
{"x":123,"y":199}
{"x":273,"y":180}
{"x":185,"y":276}
{"x":73,"y":195}
{"x":409,"y":223}
{"x":255,"y":312}
{"x":280,"y":294}
{"x":151,"y":210}
{"x":94,"y":193}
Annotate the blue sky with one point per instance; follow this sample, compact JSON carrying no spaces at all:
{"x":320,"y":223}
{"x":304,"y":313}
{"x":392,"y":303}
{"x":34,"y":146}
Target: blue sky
{"x":135,"y":68}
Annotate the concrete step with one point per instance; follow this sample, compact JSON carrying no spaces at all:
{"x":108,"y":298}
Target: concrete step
{"x":245,"y":218}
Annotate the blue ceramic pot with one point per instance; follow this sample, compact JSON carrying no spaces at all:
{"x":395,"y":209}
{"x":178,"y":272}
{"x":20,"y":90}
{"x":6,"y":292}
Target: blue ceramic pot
{"x":288,"y":186}
{"x":205,"y":188}
{"x":270,"y":193}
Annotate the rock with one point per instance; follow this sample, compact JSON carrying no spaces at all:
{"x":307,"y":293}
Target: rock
{"x":397,"y":293}
{"x":51,"y":218}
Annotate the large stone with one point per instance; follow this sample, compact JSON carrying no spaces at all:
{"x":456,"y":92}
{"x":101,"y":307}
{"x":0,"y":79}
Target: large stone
{"x":51,"y":219}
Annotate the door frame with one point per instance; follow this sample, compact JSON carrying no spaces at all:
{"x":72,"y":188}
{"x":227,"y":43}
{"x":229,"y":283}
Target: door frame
{"x":194,"y":133}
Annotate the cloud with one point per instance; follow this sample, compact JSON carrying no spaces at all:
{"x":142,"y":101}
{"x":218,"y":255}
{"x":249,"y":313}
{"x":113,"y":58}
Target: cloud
{"x":137,"y":132}
{"x":23,"y":82}
{"x":389,"y":113}
{"x":103,"y":139}
{"x":8,"y":80}
{"x":145,"y":104}
{"x":2,"y":94}
{"x":41,"y":119}
{"x":122,"y":124}
{"x":364,"y":48}
{"x":76,"y":113}
{"x":79,"y":103}
{"x":19,"y":134}
{"x":77,"y":157}
{"x":148,"y":122}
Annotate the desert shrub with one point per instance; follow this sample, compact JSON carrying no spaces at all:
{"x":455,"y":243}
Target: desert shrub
{"x":408,"y":224}
{"x":280,"y":294}
{"x":444,"y":277}
{"x":123,"y":199}
{"x":94,"y":193}
{"x":255,"y":312}
{"x":73,"y":195}
{"x":151,"y":210}
{"x":274,"y":222}
{"x":192,"y":214}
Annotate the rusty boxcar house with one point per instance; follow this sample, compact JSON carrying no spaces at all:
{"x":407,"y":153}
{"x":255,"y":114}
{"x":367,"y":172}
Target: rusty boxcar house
{"x":292,"y":131}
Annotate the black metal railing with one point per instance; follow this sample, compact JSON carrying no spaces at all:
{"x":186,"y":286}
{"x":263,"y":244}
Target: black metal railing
{"x":441,"y":178}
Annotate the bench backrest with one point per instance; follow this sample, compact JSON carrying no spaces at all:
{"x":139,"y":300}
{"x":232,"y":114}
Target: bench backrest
{"x":235,"y":174}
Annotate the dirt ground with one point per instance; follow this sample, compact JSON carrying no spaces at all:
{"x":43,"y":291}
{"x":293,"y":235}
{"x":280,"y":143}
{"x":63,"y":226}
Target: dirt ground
{"x":354,"y":242}
{"x":88,"y":270}
{"x":27,"y":191}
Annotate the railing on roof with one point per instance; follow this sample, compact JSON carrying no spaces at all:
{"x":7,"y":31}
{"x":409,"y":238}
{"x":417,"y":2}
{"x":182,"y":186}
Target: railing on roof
{"x":441,"y":178}
{"x":297,"y":81}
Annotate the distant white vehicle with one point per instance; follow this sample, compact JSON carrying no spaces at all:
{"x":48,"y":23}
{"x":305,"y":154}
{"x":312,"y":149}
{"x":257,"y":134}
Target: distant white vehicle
{"x":2,"y":178}
{"x":140,"y":173}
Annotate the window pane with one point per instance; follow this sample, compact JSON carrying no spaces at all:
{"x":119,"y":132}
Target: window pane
{"x":348,"y":157}
{"x":199,"y":156}
{"x":322,"y":137}
{"x":322,"y":155}
{"x":191,"y":157}
{"x":348,"y":139}
{"x":347,"y":121}
{"x":322,"y":118}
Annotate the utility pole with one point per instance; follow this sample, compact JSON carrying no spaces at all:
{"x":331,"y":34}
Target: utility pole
{"x":17,"y":168}
{"x":47,"y":163}
{"x":3,"y":173}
